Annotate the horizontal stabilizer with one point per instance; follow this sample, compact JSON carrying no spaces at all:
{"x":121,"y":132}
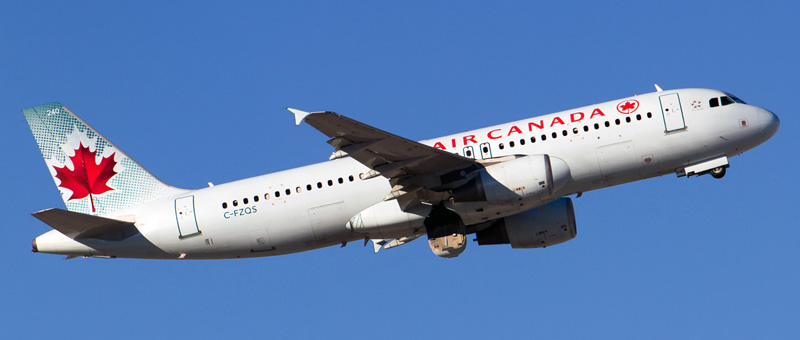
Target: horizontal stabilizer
{"x":77,"y":225}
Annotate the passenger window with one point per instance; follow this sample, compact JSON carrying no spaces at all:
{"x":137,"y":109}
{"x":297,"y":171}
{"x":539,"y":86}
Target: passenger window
{"x":616,"y":121}
{"x":330,"y":183}
{"x":224,"y":205}
{"x":351,"y":178}
{"x":288,"y":192}
{"x":245,"y":201}
{"x":638,"y":117}
{"x":319,"y":185}
{"x":308,"y":187}
{"x":298,"y":189}
{"x":649,"y":115}
{"x":235,"y":203}
{"x":714,"y":102}
{"x":255,"y":198}
{"x":585,"y":128}
{"x":341,"y":180}
{"x":628,"y":119}
{"x":544,"y":137}
{"x":596,"y":126}
{"x":501,"y":146}
{"x":266,"y":196}
{"x":533,"y":139}
{"x":575,"y":131}
{"x":564,"y":133}
{"x":521,"y":142}
{"x":277,"y":194}
{"x":607,"y":124}
{"x":554,"y":135}
{"x":511,"y":143}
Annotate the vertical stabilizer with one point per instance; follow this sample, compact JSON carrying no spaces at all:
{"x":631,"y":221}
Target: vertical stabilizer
{"x":94,"y":176}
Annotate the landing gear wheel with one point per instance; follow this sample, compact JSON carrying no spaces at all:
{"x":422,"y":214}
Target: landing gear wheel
{"x":718,"y":172}
{"x":446,"y":232}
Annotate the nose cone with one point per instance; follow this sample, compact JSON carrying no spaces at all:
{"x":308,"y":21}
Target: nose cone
{"x":769,"y":122}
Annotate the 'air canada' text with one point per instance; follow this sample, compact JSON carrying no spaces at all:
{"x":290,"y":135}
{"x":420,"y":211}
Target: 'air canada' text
{"x":507,"y":131}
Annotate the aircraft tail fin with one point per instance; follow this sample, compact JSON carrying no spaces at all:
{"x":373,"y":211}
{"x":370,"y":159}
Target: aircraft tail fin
{"x":94,"y":176}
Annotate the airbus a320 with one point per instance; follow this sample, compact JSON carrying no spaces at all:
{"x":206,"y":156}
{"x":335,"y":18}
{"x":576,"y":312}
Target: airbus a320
{"x":507,"y":184}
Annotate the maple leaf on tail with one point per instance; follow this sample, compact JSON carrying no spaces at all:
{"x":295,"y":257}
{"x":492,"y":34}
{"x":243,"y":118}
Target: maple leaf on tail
{"x":88,"y":178}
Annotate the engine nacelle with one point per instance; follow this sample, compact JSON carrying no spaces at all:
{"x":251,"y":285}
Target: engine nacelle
{"x":386,"y":220}
{"x":546,"y":225}
{"x":534,"y":177}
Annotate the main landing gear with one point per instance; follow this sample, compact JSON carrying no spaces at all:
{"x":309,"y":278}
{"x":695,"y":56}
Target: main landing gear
{"x":446,"y":232}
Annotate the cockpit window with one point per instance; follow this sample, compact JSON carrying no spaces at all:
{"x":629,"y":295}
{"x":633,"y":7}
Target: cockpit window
{"x":736,"y":99}
{"x":714,"y":102}
{"x":726,"y":100}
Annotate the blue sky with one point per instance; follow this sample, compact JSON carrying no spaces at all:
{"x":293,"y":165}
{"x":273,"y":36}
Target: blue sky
{"x":196,"y":92}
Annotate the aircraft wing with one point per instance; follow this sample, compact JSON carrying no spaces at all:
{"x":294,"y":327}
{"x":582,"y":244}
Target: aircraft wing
{"x":415,"y":170}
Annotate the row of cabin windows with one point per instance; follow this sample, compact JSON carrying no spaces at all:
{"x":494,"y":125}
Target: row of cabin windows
{"x":565,"y":133}
{"x":287,"y":192}
{"x":512,"y":144}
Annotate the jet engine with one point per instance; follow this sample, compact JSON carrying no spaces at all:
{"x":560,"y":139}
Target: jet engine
{"x":546,"y":225}
{"x":385,"y":220}
{"x":534,"y":177}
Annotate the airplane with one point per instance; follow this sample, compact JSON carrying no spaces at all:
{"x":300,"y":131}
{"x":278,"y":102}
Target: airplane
{"x":507,"y":184}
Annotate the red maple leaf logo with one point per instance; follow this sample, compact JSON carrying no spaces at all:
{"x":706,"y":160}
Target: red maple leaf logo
{"x":88,"y":178}
{"x":628,"y":106}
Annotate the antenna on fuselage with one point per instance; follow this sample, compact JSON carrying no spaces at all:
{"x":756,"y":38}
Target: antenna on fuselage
{"x":658,"y":88}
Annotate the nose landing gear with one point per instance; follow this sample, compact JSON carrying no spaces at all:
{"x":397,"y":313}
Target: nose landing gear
{"x":717,"y":172}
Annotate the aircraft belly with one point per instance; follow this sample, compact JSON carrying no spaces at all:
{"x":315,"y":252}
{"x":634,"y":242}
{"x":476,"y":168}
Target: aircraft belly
{"x":618,"y":163}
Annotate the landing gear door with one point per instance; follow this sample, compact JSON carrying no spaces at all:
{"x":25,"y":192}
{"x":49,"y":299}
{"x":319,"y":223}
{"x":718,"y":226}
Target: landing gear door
{"x":672,"y":113}
{"x":184,"y":214}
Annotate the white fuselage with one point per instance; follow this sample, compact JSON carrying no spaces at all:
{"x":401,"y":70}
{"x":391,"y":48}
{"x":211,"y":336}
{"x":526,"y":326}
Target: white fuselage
{"x":603,"y":145}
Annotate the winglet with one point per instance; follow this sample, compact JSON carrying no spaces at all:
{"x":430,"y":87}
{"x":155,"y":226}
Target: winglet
{"x":299,"y":116}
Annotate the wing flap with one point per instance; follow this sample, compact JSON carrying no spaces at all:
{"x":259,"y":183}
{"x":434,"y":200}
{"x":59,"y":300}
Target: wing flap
{"x":78,"y":225}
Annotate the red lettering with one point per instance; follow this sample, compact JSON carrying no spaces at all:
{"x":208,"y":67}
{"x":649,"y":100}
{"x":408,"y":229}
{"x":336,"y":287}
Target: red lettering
{"x":453,"y":142}
{"x":513,"y":130}
{"x":597,"y":112}
{"x":439,"y":145}
{"x":578,"y":114}
{"x":556,"y":119}
{"x":491,"y":136}
{"x":532,"y":124}
{"x":470,"y":138}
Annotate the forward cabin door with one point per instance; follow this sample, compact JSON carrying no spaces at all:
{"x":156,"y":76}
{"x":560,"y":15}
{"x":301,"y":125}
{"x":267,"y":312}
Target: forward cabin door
{"x":184,"y":214}
{"x":672,"y":113}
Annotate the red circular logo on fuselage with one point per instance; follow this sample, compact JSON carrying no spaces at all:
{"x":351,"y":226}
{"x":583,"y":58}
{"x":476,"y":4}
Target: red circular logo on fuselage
{"x":628,"y":106}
